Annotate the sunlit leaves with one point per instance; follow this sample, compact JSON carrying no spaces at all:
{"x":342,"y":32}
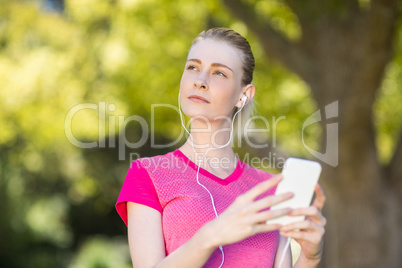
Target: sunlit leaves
{"x":125,"y":56}
{"x":46,"y":217}
{"x":388,"y":111}
{"x":280,"y":16}
{"x":101,"y":252}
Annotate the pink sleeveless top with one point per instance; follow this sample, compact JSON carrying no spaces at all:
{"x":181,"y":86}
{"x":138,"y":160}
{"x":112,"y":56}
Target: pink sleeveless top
{"x":168,"y":184}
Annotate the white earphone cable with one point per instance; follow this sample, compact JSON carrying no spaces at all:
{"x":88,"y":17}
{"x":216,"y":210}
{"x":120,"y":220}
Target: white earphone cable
{"x":284,"y":252}
{"x":202,"y":158}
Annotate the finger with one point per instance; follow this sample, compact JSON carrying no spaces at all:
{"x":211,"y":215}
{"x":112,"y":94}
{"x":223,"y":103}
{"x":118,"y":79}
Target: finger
{"x":312,"y":212}
{"x":306,"y":225}
{"x":262,"y":187}
{"x":314,"y":238}
{"x":269,"y":214}
{"x":263,"y":228}
{"x":320,"y":197}
{"x":269,"y":201}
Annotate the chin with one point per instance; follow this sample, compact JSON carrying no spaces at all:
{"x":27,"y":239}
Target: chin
{"x":194,"y":113}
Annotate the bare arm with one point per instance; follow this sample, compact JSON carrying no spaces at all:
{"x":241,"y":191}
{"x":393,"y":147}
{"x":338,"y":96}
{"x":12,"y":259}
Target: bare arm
{"x":147,"y":246}
{"x":240,"y":220}
{"x":144,"y":235}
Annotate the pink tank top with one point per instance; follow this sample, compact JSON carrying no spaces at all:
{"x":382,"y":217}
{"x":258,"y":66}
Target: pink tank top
{"x":168,"y":184}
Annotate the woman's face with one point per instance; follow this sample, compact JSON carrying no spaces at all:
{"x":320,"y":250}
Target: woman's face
{"x":213,"y":71}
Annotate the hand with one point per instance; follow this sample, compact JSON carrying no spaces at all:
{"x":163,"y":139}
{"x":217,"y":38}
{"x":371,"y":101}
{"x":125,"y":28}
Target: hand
{"x":309,"y":233}
{"x":244,"y":218}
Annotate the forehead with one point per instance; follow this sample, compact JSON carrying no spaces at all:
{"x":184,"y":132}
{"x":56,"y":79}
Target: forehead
{"x":212,"y":51}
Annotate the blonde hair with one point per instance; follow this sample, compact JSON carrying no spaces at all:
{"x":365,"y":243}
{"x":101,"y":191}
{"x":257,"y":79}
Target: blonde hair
{"x":239,"y":42}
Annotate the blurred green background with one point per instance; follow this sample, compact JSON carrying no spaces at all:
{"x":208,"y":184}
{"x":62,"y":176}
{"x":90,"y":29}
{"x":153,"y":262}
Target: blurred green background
{"x":56,"y":199}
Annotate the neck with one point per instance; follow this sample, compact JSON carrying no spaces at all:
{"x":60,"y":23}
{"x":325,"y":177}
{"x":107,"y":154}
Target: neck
{"x":206,"y":140}
{"x":220,"y":162}
{"x":208,"y":136}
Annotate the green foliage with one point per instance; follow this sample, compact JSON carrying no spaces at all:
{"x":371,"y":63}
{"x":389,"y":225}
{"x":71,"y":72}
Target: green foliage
{"x":100,"y":252}
{"x":128,"y":53}
{"x":279,"y":15}
{"x":387,"y":112}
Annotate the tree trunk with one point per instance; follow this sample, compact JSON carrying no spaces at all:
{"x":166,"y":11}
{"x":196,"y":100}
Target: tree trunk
{"x":342,"y":55}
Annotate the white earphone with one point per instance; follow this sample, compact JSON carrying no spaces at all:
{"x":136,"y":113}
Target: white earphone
{"x":244,"y":98}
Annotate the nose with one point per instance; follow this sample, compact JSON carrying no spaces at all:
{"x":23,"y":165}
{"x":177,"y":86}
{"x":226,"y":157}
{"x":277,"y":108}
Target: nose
{"x":201,"y":82}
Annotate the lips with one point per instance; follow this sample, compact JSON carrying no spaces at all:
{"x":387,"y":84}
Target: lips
{"x":197,"y":98}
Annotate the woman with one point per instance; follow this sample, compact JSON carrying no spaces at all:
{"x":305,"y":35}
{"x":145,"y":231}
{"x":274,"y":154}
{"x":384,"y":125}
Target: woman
{"x":171,"y":204}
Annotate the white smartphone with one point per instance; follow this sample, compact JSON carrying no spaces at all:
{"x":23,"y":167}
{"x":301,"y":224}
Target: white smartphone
{"x":299,"y":177}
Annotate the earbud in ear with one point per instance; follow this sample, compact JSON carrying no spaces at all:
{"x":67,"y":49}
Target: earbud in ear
{"x":244,"y":98}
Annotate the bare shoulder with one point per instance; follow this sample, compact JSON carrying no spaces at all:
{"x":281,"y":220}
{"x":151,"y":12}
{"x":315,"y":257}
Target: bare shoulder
{"x":138,"y":209}
{"x":143,"y":217}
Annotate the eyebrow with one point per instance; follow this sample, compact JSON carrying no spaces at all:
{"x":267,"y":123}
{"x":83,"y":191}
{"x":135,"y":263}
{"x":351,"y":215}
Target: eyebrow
{"x":212,"y":64}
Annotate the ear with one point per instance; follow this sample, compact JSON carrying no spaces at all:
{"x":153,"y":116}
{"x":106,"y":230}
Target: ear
{"x":247,"y":90}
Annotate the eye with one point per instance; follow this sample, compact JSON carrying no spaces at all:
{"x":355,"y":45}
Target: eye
{"x":220,"y":73}
{"x":191,"y":67}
